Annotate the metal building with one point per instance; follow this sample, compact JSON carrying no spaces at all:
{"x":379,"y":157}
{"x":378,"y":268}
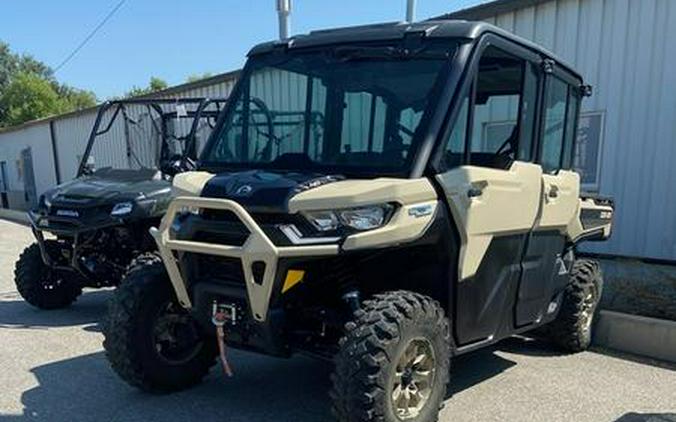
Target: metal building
{"x":626,"y":139}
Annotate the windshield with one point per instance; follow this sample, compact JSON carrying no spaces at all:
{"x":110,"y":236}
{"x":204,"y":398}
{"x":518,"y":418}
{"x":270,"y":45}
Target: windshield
{"x":343,"y":110}
{"x":144,"y":134}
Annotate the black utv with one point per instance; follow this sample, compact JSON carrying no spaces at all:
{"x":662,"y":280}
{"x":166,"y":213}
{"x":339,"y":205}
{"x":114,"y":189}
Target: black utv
{"x":97,"y":222}
{"x":388,"y":197}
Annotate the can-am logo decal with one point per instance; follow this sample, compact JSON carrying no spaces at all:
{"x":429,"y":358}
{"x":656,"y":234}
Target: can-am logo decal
{"x":67,"y":213}
{"x":244,"y":190}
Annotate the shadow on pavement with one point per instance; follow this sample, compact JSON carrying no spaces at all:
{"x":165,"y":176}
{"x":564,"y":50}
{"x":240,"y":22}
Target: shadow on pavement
{"x":474,"y":368}
{"x":85,"y":389}
{"x":648,"y":417}
{"x":88,"y":309}
{"x":529,"y":347}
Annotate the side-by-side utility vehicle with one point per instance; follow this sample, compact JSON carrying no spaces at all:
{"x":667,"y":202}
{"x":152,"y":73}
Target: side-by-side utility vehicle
{"x":387,"y":196}
{"x":99,"y":221}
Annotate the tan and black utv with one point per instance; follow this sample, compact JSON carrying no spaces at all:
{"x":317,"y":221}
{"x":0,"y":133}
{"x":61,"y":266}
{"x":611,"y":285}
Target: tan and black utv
{"x":389,"y":197}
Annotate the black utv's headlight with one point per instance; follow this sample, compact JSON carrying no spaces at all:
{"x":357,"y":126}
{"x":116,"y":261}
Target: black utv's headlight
{"x":121,"y":209}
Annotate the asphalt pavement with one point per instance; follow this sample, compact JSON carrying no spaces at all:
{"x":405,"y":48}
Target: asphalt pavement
{"x":52,"y":368}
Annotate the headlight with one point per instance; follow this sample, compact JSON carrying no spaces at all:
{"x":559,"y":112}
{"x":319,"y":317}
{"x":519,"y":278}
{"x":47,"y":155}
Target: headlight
{"x":324,"y":221}
{"x":121,"y":209}
{"x":362,"y":218}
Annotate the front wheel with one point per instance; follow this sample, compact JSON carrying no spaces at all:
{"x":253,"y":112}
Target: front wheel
{"x":150,"y":340}
{"x":42,"y":286}
{"x":393,"y":362}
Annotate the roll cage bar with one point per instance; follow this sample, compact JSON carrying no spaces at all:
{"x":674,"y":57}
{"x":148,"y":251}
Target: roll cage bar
{"x":120,"y":107}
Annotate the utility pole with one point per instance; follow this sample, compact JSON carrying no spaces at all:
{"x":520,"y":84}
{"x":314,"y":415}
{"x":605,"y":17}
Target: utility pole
{"x":410,"y":10}
{"x":283,"y":12}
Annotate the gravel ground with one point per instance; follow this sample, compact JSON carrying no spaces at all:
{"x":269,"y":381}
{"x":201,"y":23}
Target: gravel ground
{"x":52,"y":368}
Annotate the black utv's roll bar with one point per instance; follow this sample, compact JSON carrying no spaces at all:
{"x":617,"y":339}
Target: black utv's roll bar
{"x":119,"y":106}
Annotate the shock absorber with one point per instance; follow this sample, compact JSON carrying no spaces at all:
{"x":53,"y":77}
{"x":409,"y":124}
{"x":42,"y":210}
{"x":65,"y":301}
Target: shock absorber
{"x":352,"y":299}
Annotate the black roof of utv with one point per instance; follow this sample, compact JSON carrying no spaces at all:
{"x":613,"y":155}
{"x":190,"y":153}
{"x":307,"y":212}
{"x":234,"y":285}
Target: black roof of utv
{"x":432,"y":29}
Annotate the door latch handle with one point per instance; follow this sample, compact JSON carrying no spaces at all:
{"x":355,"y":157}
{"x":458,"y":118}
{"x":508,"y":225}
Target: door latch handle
{"x":553,"y":192}
{"x":474,"y":192}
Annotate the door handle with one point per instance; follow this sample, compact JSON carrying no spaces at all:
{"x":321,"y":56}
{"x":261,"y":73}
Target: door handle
{"x":475,"y":192}
{"x":553,"y":191}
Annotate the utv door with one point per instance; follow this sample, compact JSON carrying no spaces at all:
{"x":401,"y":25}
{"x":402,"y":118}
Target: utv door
{"x":545,"y":268}
{"x":493,"y":193}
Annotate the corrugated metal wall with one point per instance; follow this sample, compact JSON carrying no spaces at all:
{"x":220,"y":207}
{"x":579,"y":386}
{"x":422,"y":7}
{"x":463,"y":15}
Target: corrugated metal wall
{"x":627,"y":50}
{"x":36,"y":137}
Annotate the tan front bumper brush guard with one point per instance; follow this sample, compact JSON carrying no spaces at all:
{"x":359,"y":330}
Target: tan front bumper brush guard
{"x":257,"y":248}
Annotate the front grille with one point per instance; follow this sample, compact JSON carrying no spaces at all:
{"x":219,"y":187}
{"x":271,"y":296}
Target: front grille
{"x":225,"y":228}
{"x":221,"y":269}
{"x":232,"y":233}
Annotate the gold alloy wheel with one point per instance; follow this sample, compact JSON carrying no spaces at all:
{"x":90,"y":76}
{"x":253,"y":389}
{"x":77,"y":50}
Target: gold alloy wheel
{"x":414,"y":379}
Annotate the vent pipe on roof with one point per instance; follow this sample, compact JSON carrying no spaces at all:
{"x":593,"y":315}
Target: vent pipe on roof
{"x":410,"y":10}
{"x":283,"y":11}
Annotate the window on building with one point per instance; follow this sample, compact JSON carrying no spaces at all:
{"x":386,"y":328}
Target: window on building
{"x":556,"y":101}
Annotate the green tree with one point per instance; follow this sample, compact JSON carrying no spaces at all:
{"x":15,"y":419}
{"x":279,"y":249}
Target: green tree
{"x":198,"y":77}
{"x":29,"y":90}
{"x":28,"y":97}
{"x":155,"y":84}
{"x":75,"y":99}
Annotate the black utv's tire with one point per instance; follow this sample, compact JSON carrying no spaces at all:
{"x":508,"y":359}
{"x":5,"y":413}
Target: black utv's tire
{"x":376,"y":374}
{"x":146,"y":329}
{"x":572,"y":328}
{"x":42,"y":286}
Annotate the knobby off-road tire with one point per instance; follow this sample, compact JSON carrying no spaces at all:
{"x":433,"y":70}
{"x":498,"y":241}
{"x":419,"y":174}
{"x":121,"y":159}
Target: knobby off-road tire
{"x":572,"y":328}
{"x":42,"y":286}
{"x":378,"y":341}
{"x":143,"y":306}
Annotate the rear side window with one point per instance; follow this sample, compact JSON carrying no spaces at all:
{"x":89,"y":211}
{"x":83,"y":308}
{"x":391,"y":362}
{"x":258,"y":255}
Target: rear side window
{"x":555,"y":108}
{"x":571,"y":127}
{"x":531,"y":84}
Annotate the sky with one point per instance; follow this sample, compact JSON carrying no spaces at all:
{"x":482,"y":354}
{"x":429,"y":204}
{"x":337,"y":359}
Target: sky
{"x":174,"y":39}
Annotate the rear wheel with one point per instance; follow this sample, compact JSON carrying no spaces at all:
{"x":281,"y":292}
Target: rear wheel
{"x":42,"y":286}
{"x":572,"y":328}
{"x":150,"y":340}
{"x":393,"y":363}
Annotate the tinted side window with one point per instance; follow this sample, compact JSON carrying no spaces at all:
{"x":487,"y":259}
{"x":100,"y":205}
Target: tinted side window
{"x":503,"y":112}
{"x":455,"y":145}
{"x":571,"y":128}
{"x":556,"y":99}
{"x":531,"y":79}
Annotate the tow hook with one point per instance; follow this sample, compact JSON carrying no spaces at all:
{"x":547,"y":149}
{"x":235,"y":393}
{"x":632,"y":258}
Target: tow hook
{"x":220,"y":315}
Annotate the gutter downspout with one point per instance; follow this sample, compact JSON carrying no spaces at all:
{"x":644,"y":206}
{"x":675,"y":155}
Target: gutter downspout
{"x":55,"y":152}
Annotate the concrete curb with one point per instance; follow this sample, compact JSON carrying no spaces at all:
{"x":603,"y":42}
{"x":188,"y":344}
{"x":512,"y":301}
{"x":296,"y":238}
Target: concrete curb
{"x":20,"y":217}
{"x":650,"y":337}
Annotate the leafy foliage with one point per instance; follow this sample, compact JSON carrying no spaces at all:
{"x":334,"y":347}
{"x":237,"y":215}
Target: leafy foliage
{"x":199,"y":77}
{"x":29,"y":90}
{"x":155,"y":84}
{"x":28,"y":97}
